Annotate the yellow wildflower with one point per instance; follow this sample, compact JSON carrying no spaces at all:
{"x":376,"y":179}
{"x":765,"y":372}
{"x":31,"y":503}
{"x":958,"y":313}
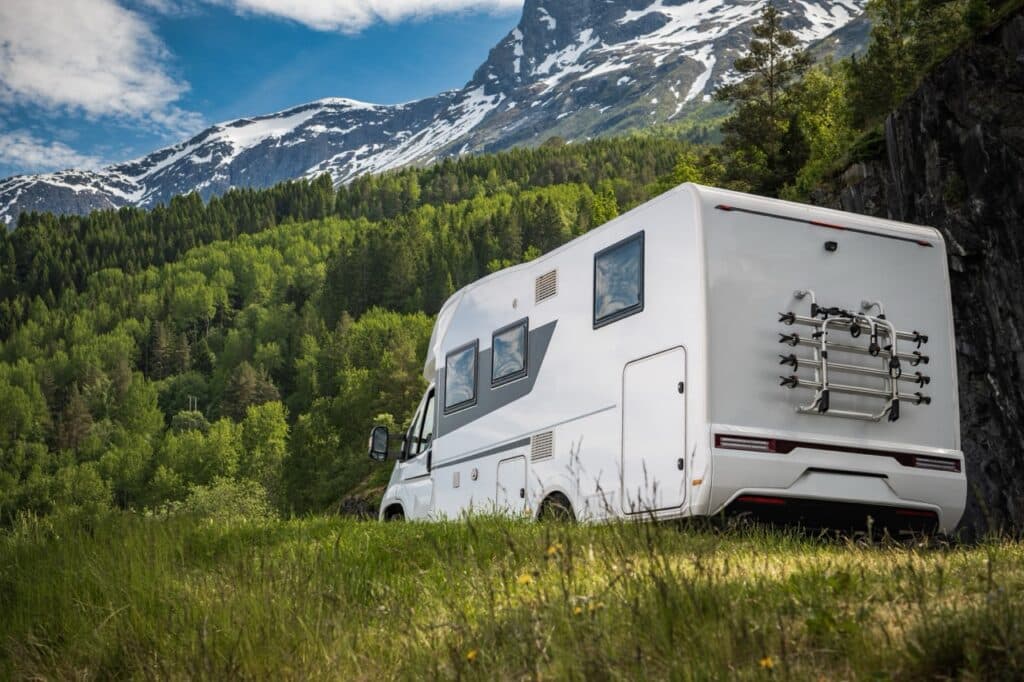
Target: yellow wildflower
{"x":471,"y":655}
{"x":525,"y":579}
{"x":554,"y":549}
{"x":767,"y":663}
{"x":578,"y":610}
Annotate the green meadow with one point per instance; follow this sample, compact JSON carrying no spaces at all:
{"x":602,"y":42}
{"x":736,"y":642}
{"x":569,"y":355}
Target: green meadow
{"x":128,"y":596}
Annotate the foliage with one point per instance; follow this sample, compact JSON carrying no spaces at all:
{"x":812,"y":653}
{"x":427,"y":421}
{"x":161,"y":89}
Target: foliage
{"x":322,"y":598}
{"x":763,"y":136}
{"x":145,"y":375}
{"x":226,"y":500}
{"x":824,"y":119}
{"x":907,"y":38}
{"x":48,"y":255}
{"x":255,"y":337}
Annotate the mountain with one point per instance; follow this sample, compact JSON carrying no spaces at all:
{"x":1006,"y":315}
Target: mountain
{"x":571,"y":68}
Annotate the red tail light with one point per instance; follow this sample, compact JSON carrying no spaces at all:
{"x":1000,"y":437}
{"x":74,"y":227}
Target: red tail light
{"x":784,"y":447}
{"x":752,"y":444}
{"x":758,"y":499}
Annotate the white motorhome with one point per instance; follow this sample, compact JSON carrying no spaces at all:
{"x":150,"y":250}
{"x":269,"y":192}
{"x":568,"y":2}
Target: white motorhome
{"x":706,"y":351}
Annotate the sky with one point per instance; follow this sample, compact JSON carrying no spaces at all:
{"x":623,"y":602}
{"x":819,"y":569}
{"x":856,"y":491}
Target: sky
{"x":86,"y":83}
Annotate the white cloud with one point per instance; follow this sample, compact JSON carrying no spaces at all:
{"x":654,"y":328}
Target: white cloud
{"x":89,"y":56}
{"x":351,"y":16}
{"x":22,"y":150}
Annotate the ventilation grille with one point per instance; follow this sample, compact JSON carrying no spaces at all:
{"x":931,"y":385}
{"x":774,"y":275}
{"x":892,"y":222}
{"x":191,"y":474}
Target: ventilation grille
{"x":542,"y":446}
{"x":546,"y":286}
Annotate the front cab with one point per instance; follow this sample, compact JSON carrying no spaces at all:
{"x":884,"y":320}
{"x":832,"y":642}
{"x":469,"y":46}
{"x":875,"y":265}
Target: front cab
{"x":409,"y":492}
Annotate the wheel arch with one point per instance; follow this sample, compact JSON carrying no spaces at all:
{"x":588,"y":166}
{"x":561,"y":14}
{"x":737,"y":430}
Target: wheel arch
{"x":553,"y":492}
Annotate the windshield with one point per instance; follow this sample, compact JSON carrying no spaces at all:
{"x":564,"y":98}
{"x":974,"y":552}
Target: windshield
{"x":421,"y":431}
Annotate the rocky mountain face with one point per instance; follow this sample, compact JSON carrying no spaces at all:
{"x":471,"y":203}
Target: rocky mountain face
{"x":956,"y":161}
{"x":571,"y":68}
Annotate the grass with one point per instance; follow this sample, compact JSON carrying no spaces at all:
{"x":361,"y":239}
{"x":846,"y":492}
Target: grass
{"x":135,"y":597}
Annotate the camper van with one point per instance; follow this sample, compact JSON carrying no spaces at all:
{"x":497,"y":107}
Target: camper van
{"x":707,"y":352}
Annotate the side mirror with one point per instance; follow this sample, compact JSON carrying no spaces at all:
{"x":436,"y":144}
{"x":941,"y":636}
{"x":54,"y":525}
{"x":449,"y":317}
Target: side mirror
{"x":379,"y":442}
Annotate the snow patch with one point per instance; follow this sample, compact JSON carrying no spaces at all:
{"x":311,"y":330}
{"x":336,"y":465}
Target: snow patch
{"x":247,"y":136}
{"x":551,"y":22}
{"x":566,"y":61}
{"x":705,"y":55}
{"x":517,"y":50}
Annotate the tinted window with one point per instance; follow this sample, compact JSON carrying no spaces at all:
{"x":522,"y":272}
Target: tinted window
{"x":460,"y":378}
{"x":619,"y":280}
{"x":508,"y":353}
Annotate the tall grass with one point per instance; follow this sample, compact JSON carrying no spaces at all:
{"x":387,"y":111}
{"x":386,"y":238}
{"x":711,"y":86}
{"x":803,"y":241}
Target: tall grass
{"x":133,"y":597}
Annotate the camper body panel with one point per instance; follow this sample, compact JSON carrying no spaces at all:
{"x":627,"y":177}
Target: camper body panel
{"x":572,"y":395}
{"x":580,"y":423}
{"x":759,"y":253}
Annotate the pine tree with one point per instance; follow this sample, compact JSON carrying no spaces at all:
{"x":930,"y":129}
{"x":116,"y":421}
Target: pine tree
{"x":246,"y":387}
{"x":75,"y":422}
{"x":160,"y":355}
{"x":757,"y":133}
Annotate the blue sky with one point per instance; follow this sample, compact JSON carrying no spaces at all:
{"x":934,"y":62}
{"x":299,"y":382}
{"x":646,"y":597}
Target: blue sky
{"x":85,"y":83}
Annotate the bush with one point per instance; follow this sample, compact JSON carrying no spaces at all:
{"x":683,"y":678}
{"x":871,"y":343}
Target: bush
{"x":226,"y":500}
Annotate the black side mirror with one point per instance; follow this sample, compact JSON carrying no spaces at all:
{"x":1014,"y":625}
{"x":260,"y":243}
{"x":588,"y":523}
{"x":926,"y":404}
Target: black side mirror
{"x":379,"y":442}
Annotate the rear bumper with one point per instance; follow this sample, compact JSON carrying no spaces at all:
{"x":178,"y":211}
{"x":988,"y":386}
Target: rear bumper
{"x":844,"y":516}
{"x":811,"y":476}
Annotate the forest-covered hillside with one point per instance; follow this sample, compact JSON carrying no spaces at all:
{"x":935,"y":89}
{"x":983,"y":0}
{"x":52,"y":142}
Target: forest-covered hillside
{"x":139,"y":372}
{"x":234,"y":353}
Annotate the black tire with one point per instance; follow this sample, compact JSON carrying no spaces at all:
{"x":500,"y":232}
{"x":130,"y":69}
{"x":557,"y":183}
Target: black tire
{"x":395,"y":514}
{"x":556,"y":507}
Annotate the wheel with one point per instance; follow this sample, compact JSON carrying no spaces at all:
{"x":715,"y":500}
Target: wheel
{"x":556,"y":507}
{"x":395,"y":514}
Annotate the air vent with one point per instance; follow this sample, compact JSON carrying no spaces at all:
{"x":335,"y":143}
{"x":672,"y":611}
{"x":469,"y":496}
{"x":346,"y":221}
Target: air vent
{"x":542,"y":446}
{"x":546,"y":286}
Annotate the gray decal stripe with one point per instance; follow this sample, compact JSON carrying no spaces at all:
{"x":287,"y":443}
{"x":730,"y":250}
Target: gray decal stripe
{"x":522,"y":442}
{"x":490,"y":399}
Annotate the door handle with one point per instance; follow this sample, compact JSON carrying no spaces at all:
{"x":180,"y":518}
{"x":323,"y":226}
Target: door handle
{"x":681,"y":387}
{"x":522,"y":493}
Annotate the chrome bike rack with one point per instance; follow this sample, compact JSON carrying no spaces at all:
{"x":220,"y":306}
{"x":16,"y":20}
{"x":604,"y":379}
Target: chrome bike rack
{"x":883,"y":345}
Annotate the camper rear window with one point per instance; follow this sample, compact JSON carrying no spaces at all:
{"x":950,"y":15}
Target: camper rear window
{"x":460,"y":378}
{"x":619,"y":280}
{"x":508,"y":353}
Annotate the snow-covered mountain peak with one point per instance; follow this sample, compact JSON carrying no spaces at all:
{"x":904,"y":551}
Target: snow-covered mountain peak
{"x":572,"y":68}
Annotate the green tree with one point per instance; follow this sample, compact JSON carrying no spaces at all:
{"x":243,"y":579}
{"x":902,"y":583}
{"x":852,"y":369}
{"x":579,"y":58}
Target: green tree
{"x":79,"y":488}
{"x":907,"y":37}
{"x":246,"y":387}
{"x":825,"y":119}
{"x":606,"y":205}
{"x":75,"y":422}
{"x":759,"y":135}
{"x":264,"y":445}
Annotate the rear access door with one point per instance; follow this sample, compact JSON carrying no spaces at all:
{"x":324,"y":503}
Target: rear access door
{"x":654,"y":432}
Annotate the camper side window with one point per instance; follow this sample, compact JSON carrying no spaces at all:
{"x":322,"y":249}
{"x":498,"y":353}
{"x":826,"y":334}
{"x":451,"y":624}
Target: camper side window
{"x":508,"y":353}
{"x":619,"y":280}
{"x":460,"y":378}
